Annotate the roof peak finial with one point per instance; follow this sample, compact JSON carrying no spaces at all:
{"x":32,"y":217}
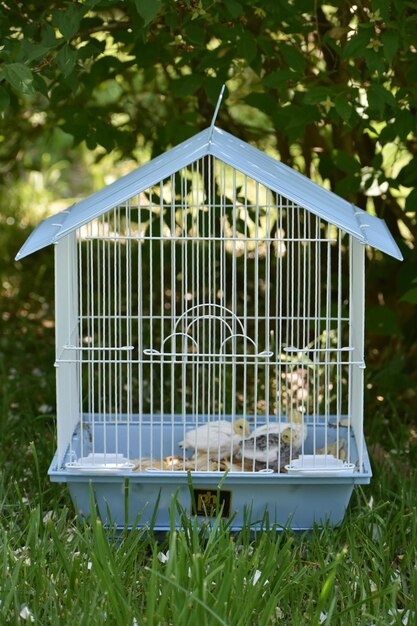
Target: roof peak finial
{"x":216,"y":110}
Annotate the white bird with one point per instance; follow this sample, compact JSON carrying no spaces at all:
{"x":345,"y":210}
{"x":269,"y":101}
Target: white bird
{"x":296,"y":424}
{"x":220,"y":438}
{"x":269,"y":448}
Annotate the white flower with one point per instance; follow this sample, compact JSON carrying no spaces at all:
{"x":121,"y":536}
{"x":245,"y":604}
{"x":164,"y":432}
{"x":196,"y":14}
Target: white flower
{"x":25,"y":613}
{"x":256,"y":576}
{"x":322,"y":618}
{"x":45,"y":408}
{"x":163,"y":558}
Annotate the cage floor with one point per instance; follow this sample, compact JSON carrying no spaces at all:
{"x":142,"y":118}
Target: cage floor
{"x":145,"y":498}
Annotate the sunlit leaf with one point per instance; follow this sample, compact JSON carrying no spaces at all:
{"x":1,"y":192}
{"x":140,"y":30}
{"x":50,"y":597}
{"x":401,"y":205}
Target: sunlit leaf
{"x":148,"y":9}
{"x":20,"y":77}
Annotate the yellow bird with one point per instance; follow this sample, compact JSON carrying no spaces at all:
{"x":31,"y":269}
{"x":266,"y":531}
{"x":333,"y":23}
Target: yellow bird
{"x":219,"y":439}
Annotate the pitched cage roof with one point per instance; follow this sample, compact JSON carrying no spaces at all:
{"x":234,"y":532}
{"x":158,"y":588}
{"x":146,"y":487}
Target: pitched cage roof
{"x":239,"y":155}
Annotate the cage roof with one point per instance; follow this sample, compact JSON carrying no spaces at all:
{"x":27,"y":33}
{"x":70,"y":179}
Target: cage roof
{"x":238,"y":154}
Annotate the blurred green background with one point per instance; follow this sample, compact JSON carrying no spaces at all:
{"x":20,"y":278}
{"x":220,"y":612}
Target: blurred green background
{"x":89,"y":90}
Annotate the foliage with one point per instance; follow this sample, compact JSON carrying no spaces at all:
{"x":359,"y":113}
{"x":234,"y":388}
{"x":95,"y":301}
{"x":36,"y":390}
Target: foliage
{"x":329,"y":87}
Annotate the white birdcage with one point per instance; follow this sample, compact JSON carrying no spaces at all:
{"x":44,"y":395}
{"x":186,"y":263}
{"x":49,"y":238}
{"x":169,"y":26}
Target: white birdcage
{"x":210,"y":323}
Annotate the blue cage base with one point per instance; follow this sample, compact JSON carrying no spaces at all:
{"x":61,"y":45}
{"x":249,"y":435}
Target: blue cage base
{"x":145,"y":499}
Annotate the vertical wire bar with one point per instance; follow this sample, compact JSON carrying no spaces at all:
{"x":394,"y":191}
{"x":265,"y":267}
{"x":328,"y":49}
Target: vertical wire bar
{"x":119,"y":324}
{"x":212,"y":275}
{"x":151,"y":322}
{"x":201,"y":198}
{"x":189,"y":406}
{"x":194,"y":200}
{"x":327,"y":377}
{"x":184,"y":269}
{"x":139,"y":288}
{"x":221,"y":289}
{"x":162,"y":314}
{"x":89,"y":336}
{"x":194,"y":301}
{"x":267,"y":302}
{"x":339,"y":339}
{"x":173,"y":308}
{"x":292,"y":312}
{"x":304,"y":315}
{"x":234,"y":297}
{"x":281,"y":252}
{"x":99,"y":367}
{"x":81,"y":331}
{"x":115,"y":329}
{"x":350,"y":366}
{"x":211,"y":209}
{"x":309,"y":308}
{"x":107,"y":387}
{"x":92,"y":327}
{"x":245,"y":315}
{"x":129,"y":325}
{"x":256,"y":310}
{"x":316,"y":387}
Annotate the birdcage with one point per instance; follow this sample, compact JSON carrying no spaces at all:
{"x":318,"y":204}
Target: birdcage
{"x":210,"y":340}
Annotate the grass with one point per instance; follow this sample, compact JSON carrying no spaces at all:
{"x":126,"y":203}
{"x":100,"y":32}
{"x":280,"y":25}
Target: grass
{"x":57,"y":570}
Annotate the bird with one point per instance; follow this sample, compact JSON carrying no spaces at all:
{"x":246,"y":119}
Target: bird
{"x":296,"y":425}
{"x":201,"y":462}
{"x":220,"y":438}
{"x":338,"y":450}
{"x":173,"y":463}
{"x":269,"y":448}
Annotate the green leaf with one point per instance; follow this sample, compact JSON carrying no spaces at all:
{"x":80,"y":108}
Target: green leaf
{"x":343,"y":107}
{"x":410,"y":296}
{"x":246,"y":47}
{"x":148,"y":9}
{"x":186,"y":86}
{"x":408,"y":174}
{"x":277,"y":78}
{"x":235,"y":8}
{"x":356,"y":45}
{"x":390,"y":39}
{"x":65,"y":60}
{"x":315,"y":95}
{"x":20,"y":77}
{"x":411,"y":202}
{"x":346,"y":162}
{"x":262,"y":101}
{"x":382,"y":320}
{"x":293,"y":57}
{"x":4,"y":99}
{"x":68,"y":21}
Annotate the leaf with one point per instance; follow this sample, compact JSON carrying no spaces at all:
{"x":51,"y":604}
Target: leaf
{"x":316,"y":95}
{"x":390,"y":39}
{"x":346,"y":162}
{"x":410,"y":296}
{"x":4,"y":99}
{"x":65,"y":60}
{"x":277,"y":78}
{"x":411,"y":202}
{"x":293,"y":58}
{"x":20,"y":77}
{"x":246,"y":47}
{"x":262,"y":101}
{"x":408,"y":174}
{"x":356,"y":45}
{"x":186,"y":86}
{"x":382,"y":320}
{"x":148,"y":9}
{"x":68,"y":21}
{"x":343,"y":107}
{"x":235,"y":8}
